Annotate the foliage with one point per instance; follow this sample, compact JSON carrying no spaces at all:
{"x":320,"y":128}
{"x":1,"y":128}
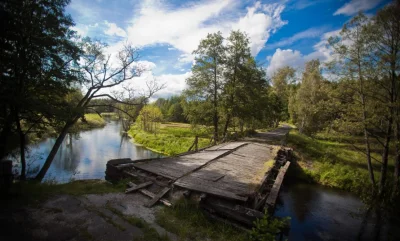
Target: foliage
{"x":311,"y":100}
{"x":334,"y":160}
{"x":228,"y":88}
{"x":205,"y":84}
{"x":36,"y":55}
{"x":91,"y":121}
{"x":171,"y":139}
{"x":172,"y":109}
{"x":283,"y":81}
{"x":149,"y":118}
{"x":266,"y":228}
{"x":186,"y":220}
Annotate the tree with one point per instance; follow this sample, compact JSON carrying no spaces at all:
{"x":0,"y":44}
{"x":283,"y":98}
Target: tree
{"x":311,"y":100}
{"x":237,"y":55}
{"x":282,"y":82}
{"x":206,"y":81}
{"x":36,"y":55}
{"x":99,"y":72}
{"x":149,"y":118}
{"x":354,"y":66}
{"x":385,"y":37}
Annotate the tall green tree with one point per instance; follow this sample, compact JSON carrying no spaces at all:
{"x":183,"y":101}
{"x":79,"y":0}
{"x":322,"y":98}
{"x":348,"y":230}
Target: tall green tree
{"x":35,"y":58}
{"x":385,"y":38}
{"x":282,"y":81}
{"x":311,"y":99}
{"x":206,"y":82}
{"x":354,"y":66}
{"x":237,"y":56}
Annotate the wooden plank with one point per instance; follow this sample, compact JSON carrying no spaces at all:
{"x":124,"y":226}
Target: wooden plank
{"x":232,"y":145}
{"x":273,"y":195}
{"x":238,"y":213}
{"x":157,"y":197}
{"x":151,"y":195}
{"x":211,"y":190}
{"x":130,"y":174}
{"x":142,"y":185}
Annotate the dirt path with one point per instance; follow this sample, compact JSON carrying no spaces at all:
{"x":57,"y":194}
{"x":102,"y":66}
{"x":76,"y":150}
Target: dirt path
{"x":277,"y":136}
{"x":114,"y":216}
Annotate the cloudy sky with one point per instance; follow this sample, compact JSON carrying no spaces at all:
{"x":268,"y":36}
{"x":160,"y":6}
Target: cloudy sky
{"x":285,"y":32}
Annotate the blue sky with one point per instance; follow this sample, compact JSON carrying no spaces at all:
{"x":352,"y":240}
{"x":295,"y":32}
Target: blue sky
{"x":286,"y":32}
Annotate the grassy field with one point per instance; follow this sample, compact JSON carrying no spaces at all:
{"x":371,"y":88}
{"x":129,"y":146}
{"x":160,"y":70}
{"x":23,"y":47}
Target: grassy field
{"x":171,"y":138}
{"x":330,"y":160}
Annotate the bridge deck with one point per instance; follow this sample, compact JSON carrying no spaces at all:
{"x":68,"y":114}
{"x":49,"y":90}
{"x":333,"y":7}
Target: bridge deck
{"x":176,"y":167}
{"x":236,"y":175}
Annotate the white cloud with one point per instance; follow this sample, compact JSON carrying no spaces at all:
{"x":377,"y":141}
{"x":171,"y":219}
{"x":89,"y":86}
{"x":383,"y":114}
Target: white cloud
{"x":259,"y":22}
{"x":286,"y":57}
{"x":113,"y":29}
{"x":157,"y":23}
{"x":354,"y":6}
{"x":175,"y":84}
{"x":296,"y":59}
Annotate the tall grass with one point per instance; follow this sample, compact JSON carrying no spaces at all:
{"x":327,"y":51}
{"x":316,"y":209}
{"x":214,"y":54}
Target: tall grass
{"x":330,"y":160}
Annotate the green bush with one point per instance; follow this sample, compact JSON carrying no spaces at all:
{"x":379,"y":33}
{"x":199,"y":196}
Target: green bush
{"x":266,"y":228}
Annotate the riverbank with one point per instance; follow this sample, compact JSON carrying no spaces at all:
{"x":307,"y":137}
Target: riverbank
{"x":332,"y":161}
{"x":171,"y":138}
{"x":92,"y":121}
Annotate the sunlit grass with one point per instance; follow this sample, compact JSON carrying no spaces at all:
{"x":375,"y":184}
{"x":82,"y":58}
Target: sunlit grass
{"x":171,"y":138}
{"x":333,"y":161}
{"x":92,"y":121}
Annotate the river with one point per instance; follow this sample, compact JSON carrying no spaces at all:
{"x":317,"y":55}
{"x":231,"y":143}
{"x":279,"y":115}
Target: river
{"x":84,"y":155}
{"x":322,"y":213}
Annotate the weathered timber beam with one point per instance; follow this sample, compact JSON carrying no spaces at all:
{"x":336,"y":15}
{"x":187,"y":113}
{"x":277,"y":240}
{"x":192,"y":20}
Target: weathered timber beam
{"x":140,"y":186}
{"x":151,"y":195}
{"x":157,"y":197}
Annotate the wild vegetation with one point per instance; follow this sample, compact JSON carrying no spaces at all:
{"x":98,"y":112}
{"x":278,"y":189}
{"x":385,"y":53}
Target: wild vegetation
{"x":171,"y":138}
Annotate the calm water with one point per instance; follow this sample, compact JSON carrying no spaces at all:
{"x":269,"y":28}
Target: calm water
{"x":320,"y":213}
{"x":84,"y":155}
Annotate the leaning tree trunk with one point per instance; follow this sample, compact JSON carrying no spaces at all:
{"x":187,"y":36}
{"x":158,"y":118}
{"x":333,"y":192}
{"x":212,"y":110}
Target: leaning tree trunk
{"x":53,"y":152}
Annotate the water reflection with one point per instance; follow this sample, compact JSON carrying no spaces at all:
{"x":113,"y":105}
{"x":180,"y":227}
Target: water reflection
{"x":84,"y":155}
{"x":320,"y":213}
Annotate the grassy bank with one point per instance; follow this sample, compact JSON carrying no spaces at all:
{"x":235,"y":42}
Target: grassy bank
{"x":92,"y":121}
{"x":330,"y":160}
{"x":171,"y":138}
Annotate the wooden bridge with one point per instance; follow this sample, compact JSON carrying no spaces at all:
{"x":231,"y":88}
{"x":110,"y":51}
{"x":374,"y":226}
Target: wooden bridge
{"x":235,"y":180}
